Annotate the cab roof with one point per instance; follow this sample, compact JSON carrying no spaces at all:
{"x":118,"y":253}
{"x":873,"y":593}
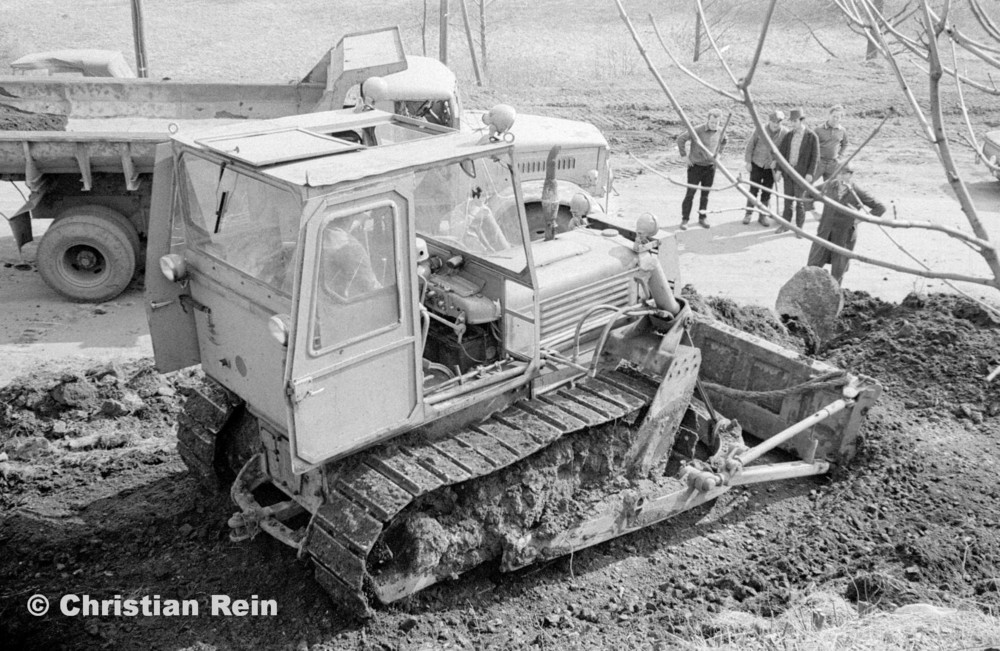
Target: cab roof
{"x":298,"y":149}
{"x":423,"y":79}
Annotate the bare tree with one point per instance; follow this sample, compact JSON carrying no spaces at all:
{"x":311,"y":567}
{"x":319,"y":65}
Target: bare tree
{"x":934,"y":30}
{"x":721,"y":22}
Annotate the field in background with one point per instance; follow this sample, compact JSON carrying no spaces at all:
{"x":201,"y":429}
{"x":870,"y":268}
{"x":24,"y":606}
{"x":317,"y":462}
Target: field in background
{"x":572,"y":59}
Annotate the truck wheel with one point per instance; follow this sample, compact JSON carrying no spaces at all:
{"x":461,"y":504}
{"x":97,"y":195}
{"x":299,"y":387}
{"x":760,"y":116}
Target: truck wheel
{"x":89,"y":254}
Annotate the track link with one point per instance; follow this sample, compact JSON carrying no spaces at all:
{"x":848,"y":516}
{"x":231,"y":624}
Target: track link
{"x":366,"y":491}
{"x":215,"y":435}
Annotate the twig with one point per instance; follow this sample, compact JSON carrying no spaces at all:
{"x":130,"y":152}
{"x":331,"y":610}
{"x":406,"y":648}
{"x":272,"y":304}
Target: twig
{"x":684,"y":69}
{"x":856,"y":214}
{"x":711,"y":40}
{"x":984,"y":20}
{"x":888,"y":114}
{"x":813,"y":34}
{"x":760,"y":44}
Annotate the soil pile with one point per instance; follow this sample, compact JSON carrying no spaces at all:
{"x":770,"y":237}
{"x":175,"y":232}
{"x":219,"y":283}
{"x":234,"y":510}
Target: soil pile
{"x":933,"y":352}
{"x":14,"y":119}
{"x":54,"y":427}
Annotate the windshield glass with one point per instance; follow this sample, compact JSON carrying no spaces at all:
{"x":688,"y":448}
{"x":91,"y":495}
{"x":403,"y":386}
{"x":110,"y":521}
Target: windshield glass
{"x":470,"y":205}
{"x":244,"y":222}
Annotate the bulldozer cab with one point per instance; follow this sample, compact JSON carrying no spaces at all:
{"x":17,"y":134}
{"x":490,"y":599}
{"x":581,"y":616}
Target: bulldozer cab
{"x":311,"y":261}
{"x":360,"y":327}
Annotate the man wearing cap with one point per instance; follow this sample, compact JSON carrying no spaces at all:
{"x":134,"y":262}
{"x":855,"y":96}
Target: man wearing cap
{"x":761,"y":164}
{"x":832,"y":144}
{"x":838,"y":227}
{"x":701,"y":164}
{"x":800,"y":148}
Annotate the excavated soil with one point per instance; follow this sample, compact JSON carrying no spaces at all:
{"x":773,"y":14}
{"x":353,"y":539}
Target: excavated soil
{"x":94,"y":500}
{"x":14,"y":119}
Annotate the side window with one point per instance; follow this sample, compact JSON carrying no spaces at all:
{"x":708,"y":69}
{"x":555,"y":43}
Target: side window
{"x":356,"y":288}
{"x":242,"y":221}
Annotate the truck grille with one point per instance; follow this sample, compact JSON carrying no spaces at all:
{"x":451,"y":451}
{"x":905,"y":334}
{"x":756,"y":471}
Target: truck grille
{"x":538,"y":166}
{"x":561,"y":313}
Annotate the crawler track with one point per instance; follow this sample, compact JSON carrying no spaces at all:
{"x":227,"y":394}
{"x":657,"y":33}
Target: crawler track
{"x":215,"y":435}
{"x":367,"y":491}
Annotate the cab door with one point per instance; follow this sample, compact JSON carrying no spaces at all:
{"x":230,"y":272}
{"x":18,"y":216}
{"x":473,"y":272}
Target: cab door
{"x":354,"y":375}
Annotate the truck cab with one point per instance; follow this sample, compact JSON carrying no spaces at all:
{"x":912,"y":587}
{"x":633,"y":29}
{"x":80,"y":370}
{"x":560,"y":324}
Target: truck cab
{"x":428,"y":89}
{"x":326,"y":263}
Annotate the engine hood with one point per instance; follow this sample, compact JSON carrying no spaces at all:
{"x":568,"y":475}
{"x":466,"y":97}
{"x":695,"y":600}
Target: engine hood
{"x":540,"y":132}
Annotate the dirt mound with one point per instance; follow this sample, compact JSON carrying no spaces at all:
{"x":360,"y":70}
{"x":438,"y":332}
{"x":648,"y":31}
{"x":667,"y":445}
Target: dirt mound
{"x":934,"y":352}
{"x":53,"y":427}
{"x":755,"y":319}
{"x":14,"y":119}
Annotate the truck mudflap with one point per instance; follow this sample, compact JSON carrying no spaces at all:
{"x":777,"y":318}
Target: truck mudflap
{"x":20,"y":221}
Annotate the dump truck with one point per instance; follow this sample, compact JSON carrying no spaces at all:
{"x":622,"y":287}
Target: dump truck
{"x":405,"y":380}
{"x":85,"y":147}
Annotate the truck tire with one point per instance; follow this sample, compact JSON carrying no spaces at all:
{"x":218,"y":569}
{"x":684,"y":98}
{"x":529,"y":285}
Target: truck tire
{"x":89,"y":254}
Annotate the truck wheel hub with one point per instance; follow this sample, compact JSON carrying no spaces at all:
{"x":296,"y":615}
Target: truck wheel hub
{"x":84,"y":259}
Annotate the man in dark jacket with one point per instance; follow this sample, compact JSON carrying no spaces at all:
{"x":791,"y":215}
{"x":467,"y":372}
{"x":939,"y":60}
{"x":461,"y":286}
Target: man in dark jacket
{"x":701,"y":165}
{"x":838,"y":227}
{"x":800,"y":147}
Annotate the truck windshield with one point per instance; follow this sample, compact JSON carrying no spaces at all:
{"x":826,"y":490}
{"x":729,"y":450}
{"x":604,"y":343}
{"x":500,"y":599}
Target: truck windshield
{"x":248,"y":224}
{"x":470,"y":205}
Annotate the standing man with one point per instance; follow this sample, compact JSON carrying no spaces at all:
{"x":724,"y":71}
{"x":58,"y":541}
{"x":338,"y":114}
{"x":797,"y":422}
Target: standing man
{"x":837,"y":226}
{"x":761,"y":163}
{"x":832,"y":144}
{"x":800,"y":148}
{"x":701,"y":166}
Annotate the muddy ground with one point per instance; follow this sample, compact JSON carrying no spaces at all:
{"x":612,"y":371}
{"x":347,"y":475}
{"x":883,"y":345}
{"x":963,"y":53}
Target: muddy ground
{"x":94,"y":500}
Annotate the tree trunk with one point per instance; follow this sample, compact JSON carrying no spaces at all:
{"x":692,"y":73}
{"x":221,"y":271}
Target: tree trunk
{"x":697,"y":36}
{"x":482,"y":36}
{"x":872,"y":51}
{"x":443,"y":33}
{"x":423,"y":31}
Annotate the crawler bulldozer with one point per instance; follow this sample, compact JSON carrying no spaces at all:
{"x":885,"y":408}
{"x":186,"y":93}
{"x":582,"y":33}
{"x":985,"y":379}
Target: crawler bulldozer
{"x":406,"y":378}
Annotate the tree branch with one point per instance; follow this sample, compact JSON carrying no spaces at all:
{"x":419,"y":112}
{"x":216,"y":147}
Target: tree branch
{"x":711,"y":40}
{"x":944,"y":148}
{"x":685,"y":70}
{"x":984,"y":20}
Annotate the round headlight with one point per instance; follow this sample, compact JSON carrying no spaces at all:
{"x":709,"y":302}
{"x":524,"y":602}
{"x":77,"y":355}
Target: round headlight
{"x":173,"y":267}
{"x":374,"y":89}
{"x":501,"y":118}
{"x":579,"y":204}
{"x":646,"y":225}
{"x":279,"y":326}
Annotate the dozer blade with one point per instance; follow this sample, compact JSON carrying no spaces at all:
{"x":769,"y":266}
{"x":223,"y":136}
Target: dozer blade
{"x":659,"y":429}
